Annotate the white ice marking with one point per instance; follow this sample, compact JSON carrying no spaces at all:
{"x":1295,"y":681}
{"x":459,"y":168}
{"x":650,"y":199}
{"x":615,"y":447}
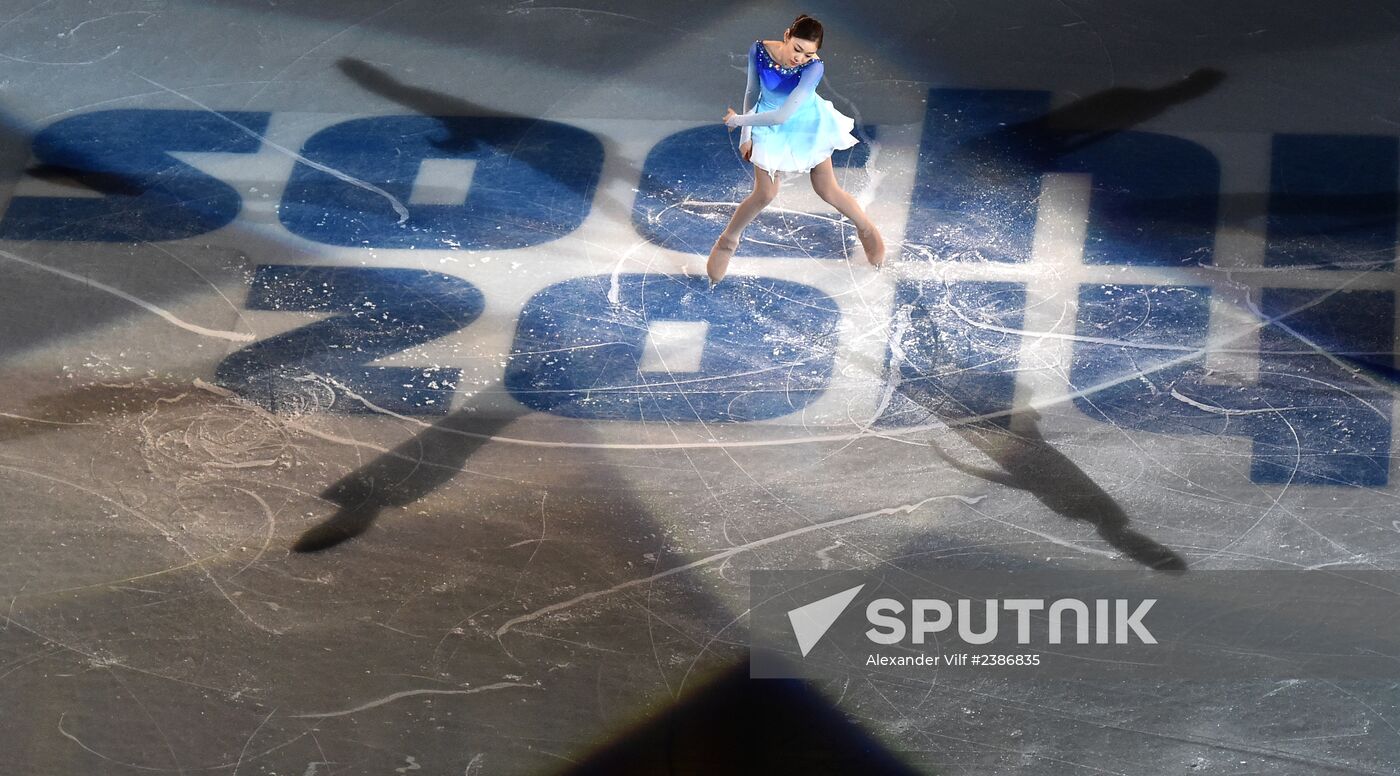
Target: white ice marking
{"x":893,"y":376}
{"x":1050,"y":537}
{"x":714,"y":444}
{"x":674,"y":346}
{"x":102,"y":58}
{"x":231,"y":336}
{"x":726,"y":554}
{"x":409,"y":694}
{"x":442,"y":182}
{"x":399,"y":207}
{"x":81,"y":25}
{"x":1211,"y":408}
{"x":28,"y":419}
{"x":156,"y":526}
{"x":135,"y":766}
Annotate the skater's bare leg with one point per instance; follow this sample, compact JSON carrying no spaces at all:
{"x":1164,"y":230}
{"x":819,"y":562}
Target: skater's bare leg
{"x":824,"y":183}
{"x":764,"y":190}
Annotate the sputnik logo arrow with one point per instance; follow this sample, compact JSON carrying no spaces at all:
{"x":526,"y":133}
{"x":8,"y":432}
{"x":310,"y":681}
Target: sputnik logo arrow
{"x":811,"y":622}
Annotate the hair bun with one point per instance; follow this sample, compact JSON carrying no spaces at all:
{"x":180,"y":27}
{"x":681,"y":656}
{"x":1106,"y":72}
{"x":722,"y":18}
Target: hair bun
{"x":810,"y":28}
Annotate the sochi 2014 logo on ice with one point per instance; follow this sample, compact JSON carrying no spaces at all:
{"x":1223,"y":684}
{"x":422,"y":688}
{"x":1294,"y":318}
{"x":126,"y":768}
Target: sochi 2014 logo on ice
{"x":1150,"y":285}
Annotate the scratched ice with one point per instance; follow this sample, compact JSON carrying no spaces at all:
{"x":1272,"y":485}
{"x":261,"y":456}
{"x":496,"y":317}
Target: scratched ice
{"x":366,"y":408}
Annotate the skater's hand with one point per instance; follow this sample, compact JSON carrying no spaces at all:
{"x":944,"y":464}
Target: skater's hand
{"x":729,"y":114}
{"x":746,"y":150}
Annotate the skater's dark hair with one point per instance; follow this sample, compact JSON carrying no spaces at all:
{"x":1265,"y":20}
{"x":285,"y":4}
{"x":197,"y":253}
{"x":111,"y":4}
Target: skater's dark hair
{"x":806,"y":28}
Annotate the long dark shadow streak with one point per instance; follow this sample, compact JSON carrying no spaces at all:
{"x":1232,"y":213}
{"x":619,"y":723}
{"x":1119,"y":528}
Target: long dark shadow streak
{"x":425,"y":462}
{"x":1026,"y":460}
{"x":1101,"y":115}
{"x":401,"y":476}
{"x":428,"y":102}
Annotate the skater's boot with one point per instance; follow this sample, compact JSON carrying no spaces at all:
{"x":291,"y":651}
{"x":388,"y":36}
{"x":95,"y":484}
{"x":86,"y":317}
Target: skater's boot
{"x":720,"y":255}
{"x":873,"y":244}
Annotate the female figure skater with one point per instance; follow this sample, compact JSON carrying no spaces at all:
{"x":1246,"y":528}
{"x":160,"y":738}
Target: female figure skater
{"x":790,"y":129}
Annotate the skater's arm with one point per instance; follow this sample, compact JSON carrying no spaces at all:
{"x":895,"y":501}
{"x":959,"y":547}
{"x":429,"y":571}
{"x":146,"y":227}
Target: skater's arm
{"x":750,"y":89}
{"x":806,"y":85}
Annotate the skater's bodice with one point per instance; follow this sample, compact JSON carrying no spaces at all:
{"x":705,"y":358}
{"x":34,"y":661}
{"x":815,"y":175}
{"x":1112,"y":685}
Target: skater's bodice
{"x":774,"y":93}
{"x":776,"y":80}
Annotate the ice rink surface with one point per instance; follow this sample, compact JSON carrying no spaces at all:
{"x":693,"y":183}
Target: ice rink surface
{"x":417,"y":288}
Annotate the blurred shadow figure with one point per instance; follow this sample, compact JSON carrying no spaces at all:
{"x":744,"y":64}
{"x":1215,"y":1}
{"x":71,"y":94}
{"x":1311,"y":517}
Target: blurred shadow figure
{"x":424,"y":101}
{"x":427,"y":102}
{"x":400,"y":477}
{"x":1094,"y":118}
{"x":1040,"y":140}
{"x":1028,"y":462}
{"x":433,"y":457}
{"x":1032,"y":464}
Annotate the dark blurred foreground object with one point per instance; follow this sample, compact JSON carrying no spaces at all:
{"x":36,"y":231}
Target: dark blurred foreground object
{"x":738,"y":725}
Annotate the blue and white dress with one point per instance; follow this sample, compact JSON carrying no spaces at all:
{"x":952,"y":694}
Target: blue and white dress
{"x":792,"y":128}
